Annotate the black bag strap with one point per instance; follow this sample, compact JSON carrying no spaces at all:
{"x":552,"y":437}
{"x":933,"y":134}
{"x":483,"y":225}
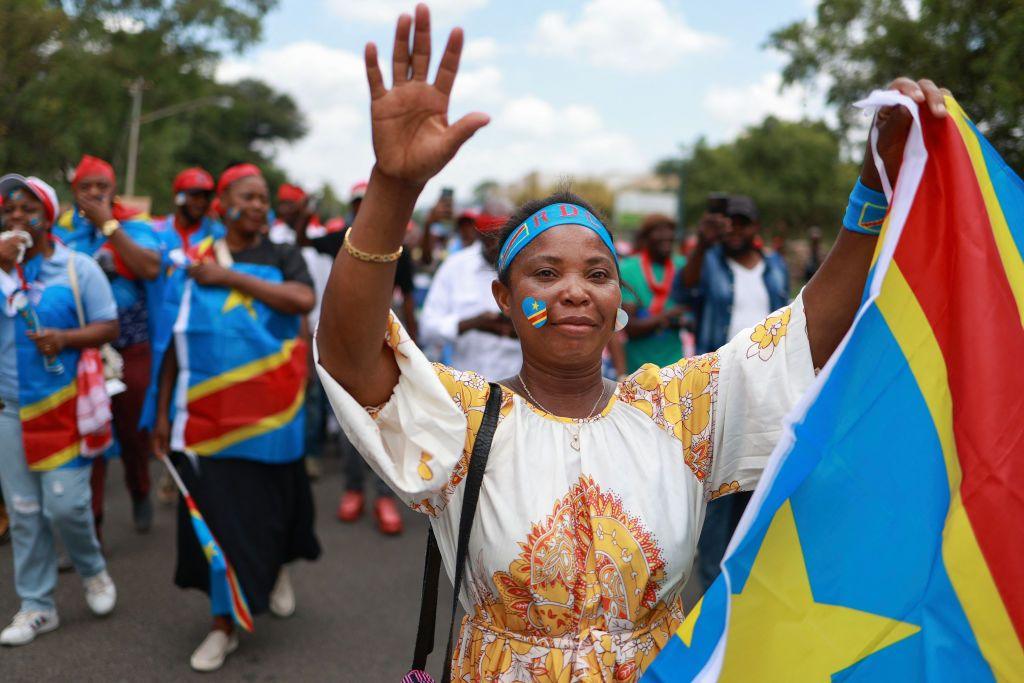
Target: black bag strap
{"x":432,"y":563}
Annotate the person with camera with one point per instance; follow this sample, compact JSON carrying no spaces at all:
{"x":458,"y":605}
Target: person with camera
{"x":731,"y":284}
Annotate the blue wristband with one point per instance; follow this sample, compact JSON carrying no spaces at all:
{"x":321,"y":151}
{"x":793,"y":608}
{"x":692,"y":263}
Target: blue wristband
{"x":866,"y":211}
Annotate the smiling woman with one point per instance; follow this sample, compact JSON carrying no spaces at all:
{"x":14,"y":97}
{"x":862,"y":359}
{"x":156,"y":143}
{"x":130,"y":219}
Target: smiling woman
{"x":594,"y":493}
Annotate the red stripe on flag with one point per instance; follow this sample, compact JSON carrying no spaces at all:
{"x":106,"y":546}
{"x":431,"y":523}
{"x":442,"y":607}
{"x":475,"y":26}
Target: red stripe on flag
{"x":949,"y":257}
{"x":53,"y":431}
{"x":247,"y":402}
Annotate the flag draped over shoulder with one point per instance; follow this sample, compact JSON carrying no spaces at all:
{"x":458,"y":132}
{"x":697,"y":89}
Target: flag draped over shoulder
{"x":242,"y":372}
{"x":885,"y":541}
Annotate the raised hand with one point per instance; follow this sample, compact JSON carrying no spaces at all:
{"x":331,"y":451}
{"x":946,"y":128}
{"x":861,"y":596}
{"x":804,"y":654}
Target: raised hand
{"x":412,"y":138}
{"x":893,"y":123}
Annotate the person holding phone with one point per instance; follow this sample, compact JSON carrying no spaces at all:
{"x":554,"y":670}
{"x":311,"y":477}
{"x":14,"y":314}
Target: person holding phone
{"x":129,"y":252}
{"x":730,"y":283}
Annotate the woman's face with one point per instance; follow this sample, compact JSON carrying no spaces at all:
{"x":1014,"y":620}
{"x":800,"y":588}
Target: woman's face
{"x":22,"y":211}
{"x":246,"y":204}
{"x":569,"y":268}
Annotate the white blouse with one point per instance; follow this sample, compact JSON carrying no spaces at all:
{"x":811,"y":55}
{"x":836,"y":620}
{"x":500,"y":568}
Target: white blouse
{"x":578,"y":557}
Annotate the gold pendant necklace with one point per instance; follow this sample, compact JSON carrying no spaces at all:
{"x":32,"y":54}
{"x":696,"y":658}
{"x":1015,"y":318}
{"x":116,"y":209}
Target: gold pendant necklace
{"x":576,"y":426}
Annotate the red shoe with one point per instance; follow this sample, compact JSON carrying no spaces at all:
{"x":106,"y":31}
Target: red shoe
{"x":350,"y":508}
{"x":389,"y":521}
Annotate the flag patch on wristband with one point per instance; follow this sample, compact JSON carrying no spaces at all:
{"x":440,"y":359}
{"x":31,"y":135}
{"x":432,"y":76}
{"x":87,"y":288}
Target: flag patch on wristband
{"x":872,"y":216}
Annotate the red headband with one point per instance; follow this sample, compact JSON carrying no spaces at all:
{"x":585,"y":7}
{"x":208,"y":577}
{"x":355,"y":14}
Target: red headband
{"x":290,"y":193}
{"x":193,"y":179}
{"x":235,"y":173}
{"x":93,"y":166}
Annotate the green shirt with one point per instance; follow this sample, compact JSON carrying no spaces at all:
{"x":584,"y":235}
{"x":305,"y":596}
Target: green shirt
{"x":661,"y":348}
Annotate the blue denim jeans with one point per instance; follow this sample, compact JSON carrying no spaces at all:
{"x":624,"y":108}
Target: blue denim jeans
{"x":38,"y":502}
{"x":723,"y":516}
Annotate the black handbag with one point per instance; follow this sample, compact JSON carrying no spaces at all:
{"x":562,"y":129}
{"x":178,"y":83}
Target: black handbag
{"x":432,"y":563}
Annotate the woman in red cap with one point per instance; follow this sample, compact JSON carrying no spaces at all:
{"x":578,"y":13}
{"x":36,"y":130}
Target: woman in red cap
{"x":55,"y":302}
{"x":229,"y":410}
{"x":129,"y":253}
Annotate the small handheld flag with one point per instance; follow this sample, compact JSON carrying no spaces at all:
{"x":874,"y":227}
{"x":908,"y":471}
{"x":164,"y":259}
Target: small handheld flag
{"x":226,"y":593}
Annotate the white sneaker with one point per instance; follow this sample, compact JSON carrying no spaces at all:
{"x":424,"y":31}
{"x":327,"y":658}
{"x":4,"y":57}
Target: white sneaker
{"x":214,"y":649}
{"x":100,"y":593}
{"x":27,"y":625}
{"x":282,"y":598}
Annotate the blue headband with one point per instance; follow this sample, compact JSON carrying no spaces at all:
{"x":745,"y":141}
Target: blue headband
{"x":549,"y":217}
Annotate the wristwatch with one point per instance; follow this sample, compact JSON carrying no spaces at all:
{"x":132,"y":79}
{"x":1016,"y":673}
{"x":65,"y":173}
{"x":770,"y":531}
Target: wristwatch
{"x":110,"y":227}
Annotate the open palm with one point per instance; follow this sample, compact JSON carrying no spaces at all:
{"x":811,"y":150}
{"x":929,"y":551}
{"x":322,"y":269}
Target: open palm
{"x":411,"y":135}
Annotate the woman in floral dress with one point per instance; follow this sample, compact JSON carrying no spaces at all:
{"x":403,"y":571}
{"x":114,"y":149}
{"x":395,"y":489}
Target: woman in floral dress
{"x":594,"y":493}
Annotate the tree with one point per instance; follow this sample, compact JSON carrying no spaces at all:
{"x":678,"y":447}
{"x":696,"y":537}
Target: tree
{"x":794,"y":171}
{"x":973,"y":47}
{"x":66,"y":67}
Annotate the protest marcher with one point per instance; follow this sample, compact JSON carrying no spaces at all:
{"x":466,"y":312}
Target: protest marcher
{"x":47,"y":290}
{"x":180,"y":235}
{"x":294,"y":227}
{"x":128,"y":251}
{"x":236,"y":438}
{"x":730,"y":283}
{"x":460,"y":310}
{"x":594,"y":493}
{"x":813,"y":254}
{"x":655,"y":317}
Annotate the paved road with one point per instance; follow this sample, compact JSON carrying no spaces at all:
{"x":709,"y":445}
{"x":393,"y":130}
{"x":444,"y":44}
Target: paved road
{"x":356,"y":617}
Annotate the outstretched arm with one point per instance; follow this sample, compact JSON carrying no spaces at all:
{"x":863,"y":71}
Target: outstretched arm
{"x":832,"y":296}
{"x":412,"y":141}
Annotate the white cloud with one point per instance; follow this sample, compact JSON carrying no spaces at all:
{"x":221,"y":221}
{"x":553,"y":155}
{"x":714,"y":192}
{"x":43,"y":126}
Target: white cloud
{"x":479,"y":50}
{"x":329,"y":86}
{"x":526,"y":133}
{"x":735,"y":107}
{"x":634,"y":36}
{"x":387,"y":11}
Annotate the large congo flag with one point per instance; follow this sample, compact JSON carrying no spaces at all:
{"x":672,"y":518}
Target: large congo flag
{"x":886,"y":540}
{"x":242,"y":372}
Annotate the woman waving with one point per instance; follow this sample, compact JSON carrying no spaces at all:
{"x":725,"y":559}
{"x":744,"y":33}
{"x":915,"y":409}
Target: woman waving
{"x":594,"y":493}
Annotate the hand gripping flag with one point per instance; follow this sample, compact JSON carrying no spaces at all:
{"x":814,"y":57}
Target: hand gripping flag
{"x":885,"y":542}
{"x":226,"y":596}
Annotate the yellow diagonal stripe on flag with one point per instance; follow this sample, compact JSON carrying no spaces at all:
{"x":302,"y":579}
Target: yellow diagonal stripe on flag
{"x":243,"y":372}
{"x":61,"y":457}
{"x":34,"y":410}
{"x":965,"y":564}
{"x":267,"y":424}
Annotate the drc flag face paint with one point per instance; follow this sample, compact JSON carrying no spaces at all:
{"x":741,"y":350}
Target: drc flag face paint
{"x":536,"y":311}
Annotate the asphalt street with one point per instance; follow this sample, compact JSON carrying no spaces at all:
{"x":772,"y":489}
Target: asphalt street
{"x":355,"y":621}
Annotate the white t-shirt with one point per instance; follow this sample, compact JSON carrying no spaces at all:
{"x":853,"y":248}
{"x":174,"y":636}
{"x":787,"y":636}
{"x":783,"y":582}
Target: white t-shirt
{"x":750,"y":303}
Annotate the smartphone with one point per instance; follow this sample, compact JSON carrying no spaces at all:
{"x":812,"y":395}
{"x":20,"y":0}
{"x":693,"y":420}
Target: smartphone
{"x":718,"y":202}
{"x":447,"y":194}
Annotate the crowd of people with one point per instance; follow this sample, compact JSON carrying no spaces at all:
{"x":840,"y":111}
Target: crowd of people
{"x":226,"y":338}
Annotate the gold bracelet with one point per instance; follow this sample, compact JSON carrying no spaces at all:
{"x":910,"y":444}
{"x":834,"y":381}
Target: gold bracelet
{"x":367,"y":256}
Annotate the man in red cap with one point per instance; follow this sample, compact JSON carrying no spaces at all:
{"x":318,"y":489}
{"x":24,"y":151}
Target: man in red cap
{"x":191,"y":222}
{"x":128,"y":251}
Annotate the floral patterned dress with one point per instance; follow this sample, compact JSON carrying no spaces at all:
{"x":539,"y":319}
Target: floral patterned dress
{"x":578,"y":557}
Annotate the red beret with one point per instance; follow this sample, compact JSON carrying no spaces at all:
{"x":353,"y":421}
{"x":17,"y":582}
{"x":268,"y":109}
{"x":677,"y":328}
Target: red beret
{"x":92,"y":166}
{"x":235,"y":173}
{"x":193,"y":179}
{"x":290,"y":193}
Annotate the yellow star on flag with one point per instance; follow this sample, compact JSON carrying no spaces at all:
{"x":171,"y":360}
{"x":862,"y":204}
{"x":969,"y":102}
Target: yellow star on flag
{"x":778,"y":632}
{"x":236,"y":299}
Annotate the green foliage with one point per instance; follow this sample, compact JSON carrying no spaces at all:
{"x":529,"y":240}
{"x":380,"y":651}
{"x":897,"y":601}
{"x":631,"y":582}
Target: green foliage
{"x":67,"y":67}
{"x":973,"y":47}
{"x":792,"y":170}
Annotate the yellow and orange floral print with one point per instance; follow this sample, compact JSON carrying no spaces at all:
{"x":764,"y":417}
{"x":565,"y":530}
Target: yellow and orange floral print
{"x":767,"y":335}
{"x":579,"y":603}
{"x":680,"y":398}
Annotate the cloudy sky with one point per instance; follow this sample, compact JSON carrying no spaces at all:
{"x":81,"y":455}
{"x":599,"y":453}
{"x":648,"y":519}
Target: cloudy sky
{"x":572,"y":86}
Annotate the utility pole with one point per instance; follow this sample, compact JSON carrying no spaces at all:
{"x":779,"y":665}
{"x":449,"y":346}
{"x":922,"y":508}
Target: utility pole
{"x":133,"y":135}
